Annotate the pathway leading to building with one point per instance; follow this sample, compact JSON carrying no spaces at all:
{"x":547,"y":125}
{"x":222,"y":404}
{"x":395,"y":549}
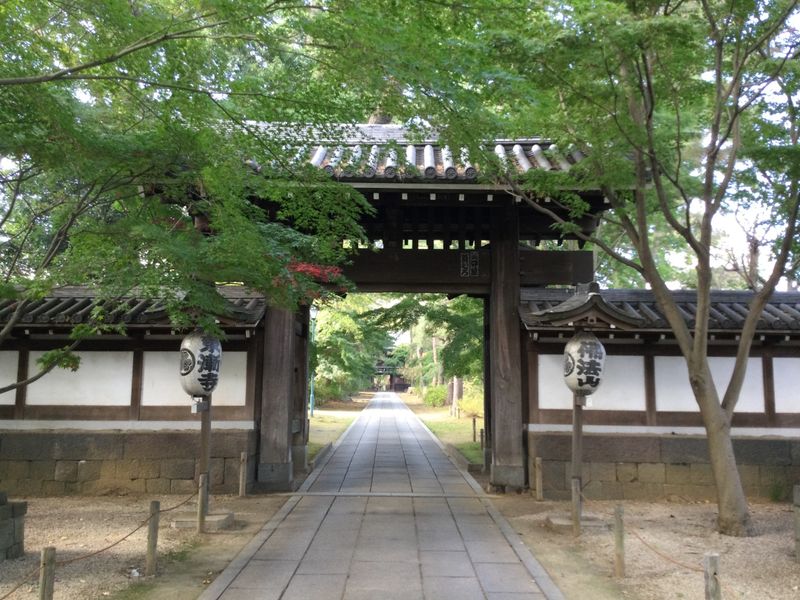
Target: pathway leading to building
{"x":387,"y":516}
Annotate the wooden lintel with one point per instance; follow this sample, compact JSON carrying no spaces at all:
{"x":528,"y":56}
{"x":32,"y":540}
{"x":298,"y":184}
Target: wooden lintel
{"x":461,"y":271}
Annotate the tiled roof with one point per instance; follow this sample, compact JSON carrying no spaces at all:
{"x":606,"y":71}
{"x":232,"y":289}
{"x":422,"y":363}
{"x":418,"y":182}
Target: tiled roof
{"x":394,"y":152}
{"x":73,"y":305}
{"x":728,"y":308}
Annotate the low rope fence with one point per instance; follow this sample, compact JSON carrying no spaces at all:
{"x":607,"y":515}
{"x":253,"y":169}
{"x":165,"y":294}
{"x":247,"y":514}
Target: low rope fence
{"x":47,"y":557}
{"x":710,"y":569}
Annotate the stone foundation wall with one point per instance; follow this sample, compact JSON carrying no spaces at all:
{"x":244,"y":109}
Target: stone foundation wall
{"x":12,"y":528}
{"x":618,"y":467}
{"x":94,"y":463}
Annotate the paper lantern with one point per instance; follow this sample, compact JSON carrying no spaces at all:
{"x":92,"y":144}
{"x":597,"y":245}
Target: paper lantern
{"x":201,"y":356}
{"x":584,"y":357}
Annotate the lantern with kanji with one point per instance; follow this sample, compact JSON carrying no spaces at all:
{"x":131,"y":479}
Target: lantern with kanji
{"x":201,"y":356}
{"x":584,"y":357}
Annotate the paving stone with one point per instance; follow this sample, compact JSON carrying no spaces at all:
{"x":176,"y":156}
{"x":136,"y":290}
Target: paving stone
{"x":506,"y":578}
{"x":445,"y":564}
{"x":452,"y":588}
{"x":316,"y":586}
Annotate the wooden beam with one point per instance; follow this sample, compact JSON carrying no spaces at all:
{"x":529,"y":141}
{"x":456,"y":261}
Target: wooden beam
{"x":393,"y":269}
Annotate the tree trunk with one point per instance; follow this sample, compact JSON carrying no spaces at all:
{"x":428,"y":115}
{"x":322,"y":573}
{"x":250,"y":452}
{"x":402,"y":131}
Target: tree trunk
{"x":733,"y":516}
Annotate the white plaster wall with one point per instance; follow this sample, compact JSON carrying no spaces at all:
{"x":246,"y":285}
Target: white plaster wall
{"x":8,"y":374}
{"x":103,"y":379}
{"x":622,"y":387}
{"x":673,"y":392}
{"x":161,"y":384}
{"x":787,"y":390}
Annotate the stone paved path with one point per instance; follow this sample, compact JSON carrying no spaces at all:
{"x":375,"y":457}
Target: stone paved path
{"x":387,"y":516}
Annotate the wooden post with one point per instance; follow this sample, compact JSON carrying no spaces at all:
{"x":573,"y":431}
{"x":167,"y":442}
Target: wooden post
{"x":243,"y":474}
{"x":796,"y":522}
{"x":505,"y":353}
{"x":474,"y":428}
{"x":205,"y":450}
{"x":577,"y":459}
{"x":152,"y":539}
{"x":619,"y":542}
{"x":483,"y":440}
{"x":711,"y":566}
{"x":539,"y":478}
{"x":47,"y":573}
{"x":274,"y":471}
{"x":202,"y":503}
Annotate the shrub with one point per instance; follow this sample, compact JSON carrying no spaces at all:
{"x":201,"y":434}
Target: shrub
{"x":435,"y":395}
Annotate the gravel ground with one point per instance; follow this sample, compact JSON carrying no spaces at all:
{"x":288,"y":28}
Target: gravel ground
{"x":79,"y":526}
{"x":665,"y":544}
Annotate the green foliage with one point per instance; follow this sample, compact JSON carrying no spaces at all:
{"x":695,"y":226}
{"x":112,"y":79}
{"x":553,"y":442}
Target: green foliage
{"x":472,"y":401}
{"x":435,"y":395}
{"x":347,"y":347}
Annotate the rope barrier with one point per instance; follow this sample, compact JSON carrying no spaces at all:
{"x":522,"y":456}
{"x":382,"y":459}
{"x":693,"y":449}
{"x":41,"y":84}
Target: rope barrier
{"x":62,"y":563}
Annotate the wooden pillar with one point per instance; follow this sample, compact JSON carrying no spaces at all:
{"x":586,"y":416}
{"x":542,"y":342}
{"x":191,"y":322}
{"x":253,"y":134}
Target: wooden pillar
{"x":275,"y":449}
{"x":300,"y":392}
{"x":487,"y":391}
{"x":508,"y":467}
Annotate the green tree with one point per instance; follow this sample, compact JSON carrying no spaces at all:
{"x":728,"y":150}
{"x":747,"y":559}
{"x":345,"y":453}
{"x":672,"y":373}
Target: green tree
{"x":131,"y":155}
{"x":680,"y":108}
{"x":348,"y":346}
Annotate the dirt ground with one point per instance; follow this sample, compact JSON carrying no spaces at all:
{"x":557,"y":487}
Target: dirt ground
{"x":664,"y":547}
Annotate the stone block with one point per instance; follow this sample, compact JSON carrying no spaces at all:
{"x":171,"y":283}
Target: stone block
{"x":229,"y":444}
{"x":637,"y":490}
{"x":137,"y":468}
{"x":54,"y":488}
{"x":678,"y":474}
{"x":158,"y":486}
{"x":553,"y":447}
{"x":612,"y":490}
{"x":593,"y":490}
{"x":678,"y":450}
{"x":72,"y":487}
{"x":600,"y":471}
{"x":768,"y":475}
{"x":231,"y":472}
{"x":763,"y":452}
{"x":182,"y":486}
{"x":83,"y":446}
{"x":28,"y":487}
{"x":19,"y":529}
{"x":177,"y":468}
{"x":6,"y":535}
{"x":652,"y":473}
{"x":66,"y":470}
{"x":5,"y":512}
{"x":701,"y":474}
{"x":16,"y":550}
{"x":688,"y":492}
{"x":216,"y":472}
{"x":795,"y":452}
{"x":89,"y":470}
{"x":627,"y":472}
{"x":160,"y":444}
{"x":622,"y":448}
{"x":43,"y":469}
{"x":3,"y":498}
{"x":14,"y":469}
{"x":554,"y":475}
{"x":108,"y":469}
{"x":748,"y":475}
